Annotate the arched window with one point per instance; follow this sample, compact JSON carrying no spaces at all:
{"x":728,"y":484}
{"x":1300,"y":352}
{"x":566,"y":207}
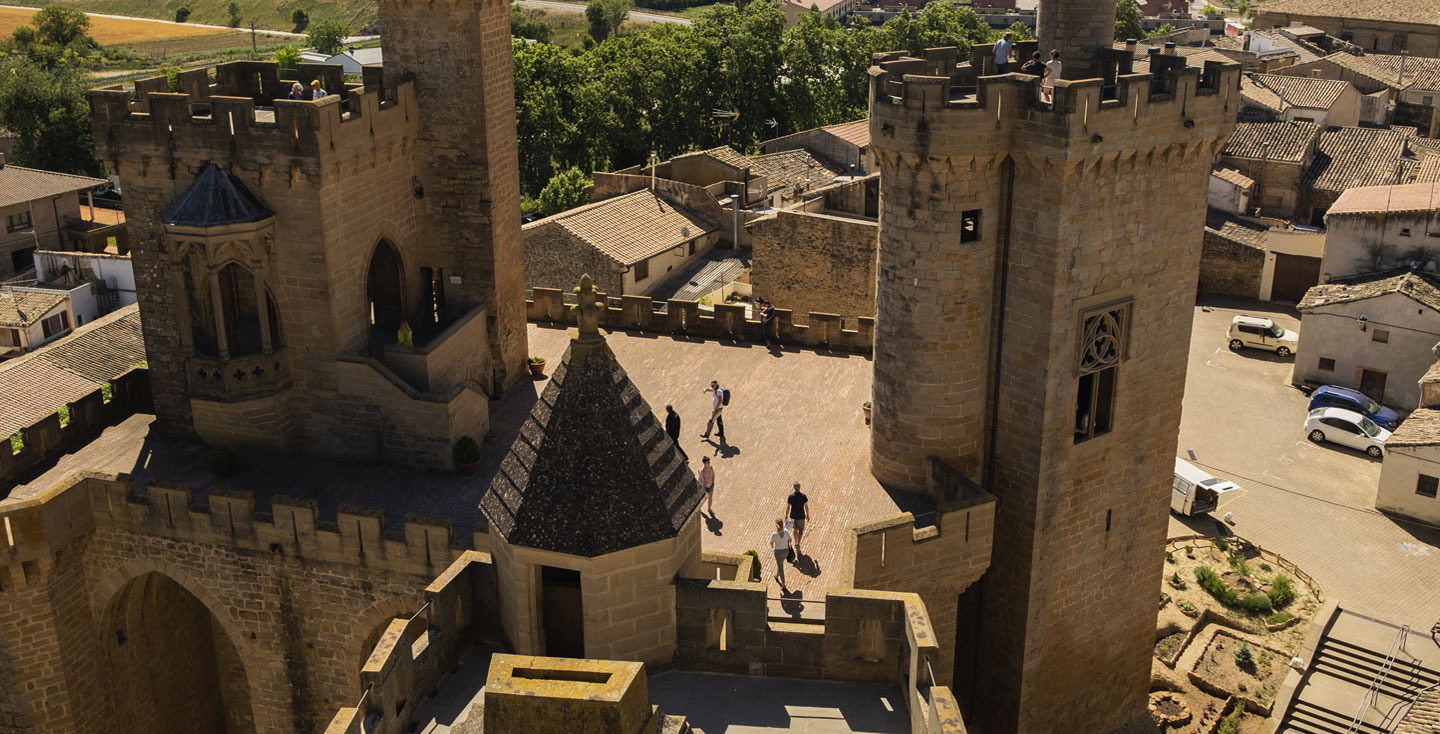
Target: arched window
{"x":385,"y":289}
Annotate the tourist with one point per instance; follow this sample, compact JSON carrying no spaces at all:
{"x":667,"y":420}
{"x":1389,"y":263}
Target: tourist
{"x":707,"y":483}
{"x":672,"y":427}
{"x":767,"y":320}
{"x":315,"y":91}
{"x":296,"y":91}
{"x":1034,"y":67}
{"x":404,"y":336}
{"x":780,"y":544}
{"x":1004,"y":50}
{"x":1052,"y":74}
{"x":717,"y":404}
{"x":798,"y":509}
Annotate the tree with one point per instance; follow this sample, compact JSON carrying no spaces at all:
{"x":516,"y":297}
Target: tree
{"x":521,"y":26}
{"x":300,"y":18}
{"x":60,"y":25}
{"x":182,"y":14}
{"x":1018,"y":31}
{"x":595,"y":16}
{"x":566,"y":190}
{"x":1160,"y":32}
{"x":57,"y":38}
{"x":288,"y":57}
{"x":327,"y":36}
{"x":616,"y":11}
{"x":47,"y":111}
{"x":1127,"y":21}
{"x":234,"y":10}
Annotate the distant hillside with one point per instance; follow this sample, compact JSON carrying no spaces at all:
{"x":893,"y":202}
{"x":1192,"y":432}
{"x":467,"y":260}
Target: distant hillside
{"x":359,"y":16}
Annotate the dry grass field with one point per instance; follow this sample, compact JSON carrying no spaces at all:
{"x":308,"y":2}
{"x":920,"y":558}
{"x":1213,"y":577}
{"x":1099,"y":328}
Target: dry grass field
{"x":114,"y":32}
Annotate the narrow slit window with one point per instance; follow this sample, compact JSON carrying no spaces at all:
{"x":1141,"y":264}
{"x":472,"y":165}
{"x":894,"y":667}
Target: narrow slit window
{"x":970,"y":226}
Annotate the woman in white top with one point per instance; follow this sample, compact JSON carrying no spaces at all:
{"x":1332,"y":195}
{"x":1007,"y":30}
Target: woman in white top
{"x":780,"y":544}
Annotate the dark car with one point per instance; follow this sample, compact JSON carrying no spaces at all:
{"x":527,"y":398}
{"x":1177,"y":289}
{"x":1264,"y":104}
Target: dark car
{"x":1331,"y":396}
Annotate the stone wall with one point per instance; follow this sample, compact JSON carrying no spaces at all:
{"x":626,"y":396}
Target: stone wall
{"x":1230,"y":268}
{"x":555,"y":258}
{"x":824,"y":330}
{"x":292,"y":600}
{"x":389,"y":419}
{"x":815,"y":262}
{"x":1277,"y":185}
{"x":265,"y":423}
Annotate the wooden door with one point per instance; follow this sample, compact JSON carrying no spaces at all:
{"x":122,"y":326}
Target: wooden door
{"x":1372,"y":383}
{"x":1293,"y":276}
{"x":562,"y":613}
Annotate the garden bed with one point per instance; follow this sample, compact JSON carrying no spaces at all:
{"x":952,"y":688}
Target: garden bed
{"x":1251,"y":673}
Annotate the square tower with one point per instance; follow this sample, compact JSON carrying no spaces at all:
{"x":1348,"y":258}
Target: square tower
{"x":1037,"y":271}
{"x":339,"y":275}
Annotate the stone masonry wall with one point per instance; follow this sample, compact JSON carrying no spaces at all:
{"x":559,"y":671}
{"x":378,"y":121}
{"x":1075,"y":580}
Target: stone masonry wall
{"x":1230,"y":268}
{"x":554,"y":258}
{"x":295,"y":600}
{"x":815,"y":263}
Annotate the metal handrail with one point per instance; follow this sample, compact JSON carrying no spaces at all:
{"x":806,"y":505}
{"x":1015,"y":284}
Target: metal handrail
{"x":1393,"y":716}
{"x":1368,"y":701}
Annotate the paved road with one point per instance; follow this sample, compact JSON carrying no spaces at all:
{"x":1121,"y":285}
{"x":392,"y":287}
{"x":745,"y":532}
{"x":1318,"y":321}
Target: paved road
{"x":1313,"y":504}
{"x":580,"y":8}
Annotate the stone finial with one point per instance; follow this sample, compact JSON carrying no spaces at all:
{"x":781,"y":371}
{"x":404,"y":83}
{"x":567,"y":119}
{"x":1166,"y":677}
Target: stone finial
{"x":587,"y":310}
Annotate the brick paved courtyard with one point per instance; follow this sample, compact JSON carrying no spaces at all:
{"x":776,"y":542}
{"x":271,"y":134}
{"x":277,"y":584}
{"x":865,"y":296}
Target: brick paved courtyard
{"x":1313,"y":504}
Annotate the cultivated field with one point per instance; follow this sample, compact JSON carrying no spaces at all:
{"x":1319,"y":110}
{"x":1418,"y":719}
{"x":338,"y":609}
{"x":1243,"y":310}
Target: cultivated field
{"x":113,"y":32}
{"x":356,"y":15}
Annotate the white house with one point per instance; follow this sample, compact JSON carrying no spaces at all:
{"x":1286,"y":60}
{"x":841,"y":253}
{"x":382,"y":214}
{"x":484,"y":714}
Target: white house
{"x":1410,"y":476}
{"x":30,"y":317}
{"x":97,"y":282}
{"x":351,"y":59}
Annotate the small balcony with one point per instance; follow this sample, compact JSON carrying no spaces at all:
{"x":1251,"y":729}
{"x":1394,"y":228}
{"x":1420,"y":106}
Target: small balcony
{"x":238,"y":378}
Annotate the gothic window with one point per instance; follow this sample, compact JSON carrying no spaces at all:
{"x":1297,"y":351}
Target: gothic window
{"x":1104,"y":342}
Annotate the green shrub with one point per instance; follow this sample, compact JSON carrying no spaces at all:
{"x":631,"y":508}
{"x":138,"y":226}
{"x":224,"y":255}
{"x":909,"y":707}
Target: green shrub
{"x":1254,"y":603}
{"x":1231,"y":723}
{"x":182,"y":14}
{"x":754,"y":565}
{"x":1244,"y":657}
{"x":300,"y":18}
{"x":466,"y":451}
{"x":705,"y":301}
{"x":1215,"y":586}
{"x":1282,"y":591}
{"x":64,"y":413}
{"x":1265,"y":567}
{"x":17,"y":442}
{"x":1176,"y":581}
{"x":1222,"y":544}
{"x":1169,"y":557}
{"x":1237,"y":562}
{"x":1278,"y":617}
{"x":1188,"y":609}
{"x":537,"y":360}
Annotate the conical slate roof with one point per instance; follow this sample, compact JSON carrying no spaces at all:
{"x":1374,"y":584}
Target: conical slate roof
{"x":592,"y":471}
{"x":213,"y":199}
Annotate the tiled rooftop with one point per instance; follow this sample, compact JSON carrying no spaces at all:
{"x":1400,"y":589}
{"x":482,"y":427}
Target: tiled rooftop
{"x":1423,"y":12}
{"x":795,"y":416}
{"x":633,"y":227}
{"x":19,"y":185}
{"x":1285,"y":142}
{"x":1235,"y":229}
{"x":1402,"y":198}
{"x":1230,"y":175}
{"x":1278,"y":93}
{"x":1420,"y":428}
{"x":856,"y":133}
{"x":22,"y":308}
{"x":35,"y":384}
{"x":1346,"y":157}
{"x":1421,"y":288}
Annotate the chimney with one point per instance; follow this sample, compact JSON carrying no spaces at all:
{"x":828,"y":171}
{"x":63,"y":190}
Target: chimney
{"x":1246,"y":44}
{"x":1130,"y":45}
{"x":2,"y":160}
{"x":1169,"y":48}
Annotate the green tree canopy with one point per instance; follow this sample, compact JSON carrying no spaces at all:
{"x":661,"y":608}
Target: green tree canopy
{"x":56,"y":37}
{"x":61,"y":25}
{"x":47,"y":111}
{"x":327,"y":36}
{"x":1127,"y":21}
{"x":565,"y":191}
{"x":288,"y":57}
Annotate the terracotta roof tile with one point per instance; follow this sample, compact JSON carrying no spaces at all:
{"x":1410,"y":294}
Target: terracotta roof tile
{"x":1421,"y":73}
{"x":35,"y":384}
{"x":1277,"y":93}
{"x":1232,"y":176}
{"x":633,"y":227}
{"x":1420,"y":288}
{"x":21,"y":308}
{"x":1241,"y":231}
{"x":1288,"y":142}
{"x":1403,"y":198}
{"x":19,"y":185}
{"x":1420,"y":428}
{"x":856,"y":133}
{"x":1424,"y":714}
{"x":1346,"y":157}
{"x":1423,"y":12}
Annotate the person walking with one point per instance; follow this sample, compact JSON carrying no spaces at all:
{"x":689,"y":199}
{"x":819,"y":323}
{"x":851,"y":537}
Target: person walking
{"x":1034,"y":67}
{"x":767,"y":320}
{"x":1004,"y":50}
{"x":717,"y":404}
{"x":780,"y":545}
{"x":1053,"y":68}
{"x":707,"y":483}
{"x":798,"y":510}
{"x":672,"y":427}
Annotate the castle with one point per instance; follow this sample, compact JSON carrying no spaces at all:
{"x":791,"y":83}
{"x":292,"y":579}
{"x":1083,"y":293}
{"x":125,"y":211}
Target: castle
{"x":1033,"y":305}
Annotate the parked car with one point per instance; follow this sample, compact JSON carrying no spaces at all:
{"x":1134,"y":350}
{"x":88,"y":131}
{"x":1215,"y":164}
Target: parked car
{"x":1347,"y":428}
{"x":1261,"y":333}
{"x":1330,"y":396}
{"x":1194,"y":491}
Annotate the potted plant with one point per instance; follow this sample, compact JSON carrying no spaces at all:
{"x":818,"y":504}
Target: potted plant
{"x":866,"y":408}
{"x":467,"y":455}
{"x":537,"y":366}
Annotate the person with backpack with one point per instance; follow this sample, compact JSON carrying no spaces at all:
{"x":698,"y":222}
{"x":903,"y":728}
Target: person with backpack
{"x":767,"y":321}
{"x":720,"y":397}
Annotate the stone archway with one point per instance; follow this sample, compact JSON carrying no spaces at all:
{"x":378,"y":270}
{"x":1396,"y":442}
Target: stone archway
{"x":171,"y":663}
{"x":385,"y":288}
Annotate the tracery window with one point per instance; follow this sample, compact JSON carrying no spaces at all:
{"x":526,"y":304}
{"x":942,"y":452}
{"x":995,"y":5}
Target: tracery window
{"x":1104,"y":343}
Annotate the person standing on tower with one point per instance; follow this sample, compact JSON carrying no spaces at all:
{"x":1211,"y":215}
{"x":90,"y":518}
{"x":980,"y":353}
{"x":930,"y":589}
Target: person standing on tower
{"x":767,"y":320}
{"x":717,"y":404}
{"x":1052,"y":74}
{"x":798,"y":509}
{"x":672,"y":427}
{"x":707,"y":483}
{"x":1004,"y":49}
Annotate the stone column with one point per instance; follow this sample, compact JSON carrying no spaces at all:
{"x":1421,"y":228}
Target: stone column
{"x":182,"y":295}
{"x":261,"y":306}
{"x":222,"y":345}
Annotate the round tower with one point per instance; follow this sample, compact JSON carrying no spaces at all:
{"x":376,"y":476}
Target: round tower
{"x":1078,"y":28}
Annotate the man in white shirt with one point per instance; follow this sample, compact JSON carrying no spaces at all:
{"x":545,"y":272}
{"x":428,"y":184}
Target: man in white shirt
{"x":717,"y":404}
{"x":1004,"y":49}
{"x":1052,"y":73}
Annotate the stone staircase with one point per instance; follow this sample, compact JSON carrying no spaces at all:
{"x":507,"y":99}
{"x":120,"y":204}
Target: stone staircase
{"x":1340,"y":678}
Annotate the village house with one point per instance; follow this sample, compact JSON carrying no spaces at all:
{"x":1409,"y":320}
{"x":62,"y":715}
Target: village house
{"x":1385,"y":27}
{"x":1410,"y":475}
{"x":1325,"y":102}
{"x":43,"y":210}
{"x":30,"y":317}
{"x":843,"y":147}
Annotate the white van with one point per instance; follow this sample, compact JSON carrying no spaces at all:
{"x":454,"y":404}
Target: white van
{"x":1195,"y":492}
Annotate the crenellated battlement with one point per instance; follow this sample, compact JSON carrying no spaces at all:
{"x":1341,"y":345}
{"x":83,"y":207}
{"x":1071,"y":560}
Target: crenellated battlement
{"x":937,"y":105}
{"x":242,"y":111}
{"x":43,"y":525}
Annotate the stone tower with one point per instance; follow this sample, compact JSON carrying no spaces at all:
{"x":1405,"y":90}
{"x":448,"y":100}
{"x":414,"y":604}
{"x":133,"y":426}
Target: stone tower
{"x":1036,"y":280}
{"x":458,"y":54}
{"x":280,"y":244}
